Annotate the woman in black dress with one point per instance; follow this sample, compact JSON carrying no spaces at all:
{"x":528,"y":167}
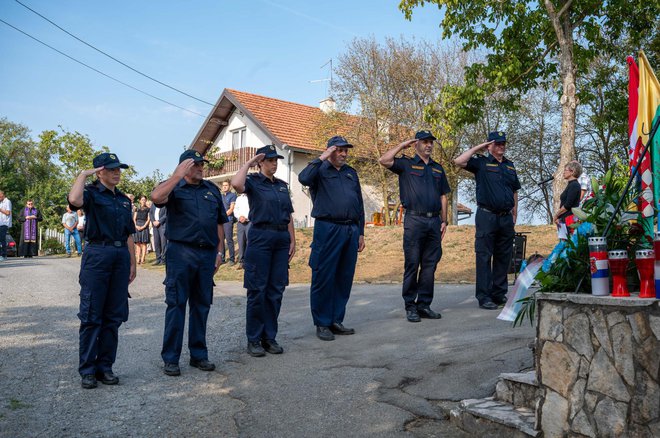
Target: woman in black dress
{"x":141,"y":237}
{"x":569,"y":198}
{"x":29,"y":219}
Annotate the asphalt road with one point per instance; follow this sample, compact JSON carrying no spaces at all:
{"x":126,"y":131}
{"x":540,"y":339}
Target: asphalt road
{"x":392,"y":378}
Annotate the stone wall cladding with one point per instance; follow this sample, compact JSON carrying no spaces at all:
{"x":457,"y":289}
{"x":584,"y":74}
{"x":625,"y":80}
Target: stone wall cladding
{"x":598,"y":365}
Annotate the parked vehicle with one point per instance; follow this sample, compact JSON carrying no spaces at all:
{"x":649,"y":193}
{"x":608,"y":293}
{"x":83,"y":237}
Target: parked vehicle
{"x":12,"y":248}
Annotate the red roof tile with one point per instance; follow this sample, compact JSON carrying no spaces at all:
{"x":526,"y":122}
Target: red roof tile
{"x":292,"y":123}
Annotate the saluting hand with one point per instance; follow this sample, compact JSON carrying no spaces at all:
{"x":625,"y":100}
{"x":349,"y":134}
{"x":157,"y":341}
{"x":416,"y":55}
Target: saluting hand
{"x":326,"y":154}
{"x":183,"y":168}
{"x":483,"y":146}
{"x":90,"y":172}
{"x":256,"y":159}
{"x":408,"y":143}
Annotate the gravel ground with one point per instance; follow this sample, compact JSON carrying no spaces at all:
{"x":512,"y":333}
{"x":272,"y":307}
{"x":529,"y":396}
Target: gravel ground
{"x":392,"y":378}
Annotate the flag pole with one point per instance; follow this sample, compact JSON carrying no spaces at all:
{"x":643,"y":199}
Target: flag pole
{"x":632,"y":176}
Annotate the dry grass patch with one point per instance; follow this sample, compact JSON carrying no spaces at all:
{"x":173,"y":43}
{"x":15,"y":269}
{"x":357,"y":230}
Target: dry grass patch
{"x":382,"y":259}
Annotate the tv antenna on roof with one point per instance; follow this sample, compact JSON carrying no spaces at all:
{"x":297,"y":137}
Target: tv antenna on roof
{"x":328,"y":81}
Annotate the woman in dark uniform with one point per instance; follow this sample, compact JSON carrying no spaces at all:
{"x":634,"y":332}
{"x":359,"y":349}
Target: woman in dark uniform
{"x":271,"y":245}
{"x":569,"y":198}
{"x":107,"y":268}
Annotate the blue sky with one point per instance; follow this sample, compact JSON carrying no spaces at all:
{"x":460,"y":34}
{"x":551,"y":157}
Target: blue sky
{"x":273,"y":48}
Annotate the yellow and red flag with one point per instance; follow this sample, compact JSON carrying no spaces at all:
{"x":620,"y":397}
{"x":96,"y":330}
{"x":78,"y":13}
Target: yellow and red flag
{"x":643,"y":113}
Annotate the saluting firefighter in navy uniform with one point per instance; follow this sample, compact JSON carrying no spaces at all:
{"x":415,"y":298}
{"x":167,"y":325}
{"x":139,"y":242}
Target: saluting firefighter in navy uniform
{"x":107,"y":267}
{"x":423,"y":190}
{"x":271,"y":245}
{"x":195,"y":216}
{"x":338,"y":235}
{"x":497,"y":201}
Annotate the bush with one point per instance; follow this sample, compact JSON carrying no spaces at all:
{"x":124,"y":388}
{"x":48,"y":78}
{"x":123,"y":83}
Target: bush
{"x":52,"y":246}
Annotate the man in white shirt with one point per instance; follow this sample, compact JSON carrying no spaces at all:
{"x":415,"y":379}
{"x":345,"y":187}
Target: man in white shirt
{"x":70,"y":222}
{"x":5,"y":223}
{"x":585,"y":187}
{"x":241,"y":212}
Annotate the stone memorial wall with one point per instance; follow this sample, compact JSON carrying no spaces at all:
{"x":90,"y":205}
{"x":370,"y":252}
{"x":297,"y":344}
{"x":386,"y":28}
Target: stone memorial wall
{"x":598,"y":366}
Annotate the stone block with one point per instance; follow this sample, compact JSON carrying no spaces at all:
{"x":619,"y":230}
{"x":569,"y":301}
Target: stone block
{"x":654,"y":323}
{"x":559,"y":367}
{"x":554,"y":417}
{"x":604,"y":378}
{"x":621,"y":335}
{"x":576,"y":399}
{"x":610,"y":418}
{"x":645,"y":405}
{"x":590,"y":400}
{"x":550,"y":322}
{"x":648,"y":356}
{"x":640,"y":326}
{"x":614,"y":318}
{"x":577,"y":334}
{"x":599,"y":329}
{"x":582,"y":425}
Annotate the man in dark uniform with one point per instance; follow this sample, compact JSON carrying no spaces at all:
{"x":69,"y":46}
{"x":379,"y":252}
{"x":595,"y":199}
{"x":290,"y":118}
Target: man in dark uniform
{"x":195,"y":215}
{"x":338,"y":235}
{"x":107,"y":268}
{"x":497,"y":201}
{"x":423,"y":189}
{"x":229,"y":202}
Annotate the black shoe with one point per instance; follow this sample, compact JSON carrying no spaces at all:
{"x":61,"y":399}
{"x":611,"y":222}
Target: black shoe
{"x":88,"y":381}
{"x":107,"y":378}
{"x":324,"y":333}
{"x":412,"y":315}
{"x":172,"y":369}
{"x":426,"y":312}
{"x":488,"y":305}
{"x":499,"y":301}
{"x":202,"y":364}
{"x":271,"y":346}
{"x":255,"y":349}
{"x":338,"y":329}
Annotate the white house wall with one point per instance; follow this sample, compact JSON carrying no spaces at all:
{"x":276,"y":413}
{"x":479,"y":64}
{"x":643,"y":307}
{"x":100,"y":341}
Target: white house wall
{"x":255,"y":137}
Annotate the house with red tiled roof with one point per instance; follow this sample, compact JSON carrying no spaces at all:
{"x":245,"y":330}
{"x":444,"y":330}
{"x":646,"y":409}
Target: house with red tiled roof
{"x":241,"y":122}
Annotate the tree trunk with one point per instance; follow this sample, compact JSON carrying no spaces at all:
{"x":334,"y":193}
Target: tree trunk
{"x":564,"y":32}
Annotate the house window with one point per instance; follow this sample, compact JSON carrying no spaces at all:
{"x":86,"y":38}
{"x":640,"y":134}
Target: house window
{"x":238,"y":139}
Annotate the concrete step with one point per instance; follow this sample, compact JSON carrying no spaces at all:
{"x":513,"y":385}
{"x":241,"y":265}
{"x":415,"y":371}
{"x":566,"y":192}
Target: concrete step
{"x":518,"y":389}
{"x":488,"y":417}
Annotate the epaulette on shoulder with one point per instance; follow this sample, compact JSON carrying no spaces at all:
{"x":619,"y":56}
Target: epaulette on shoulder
{"x":405,"y":156}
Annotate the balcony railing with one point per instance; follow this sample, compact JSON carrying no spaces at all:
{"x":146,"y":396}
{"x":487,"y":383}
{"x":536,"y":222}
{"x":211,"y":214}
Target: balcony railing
{"x":227,"y":163}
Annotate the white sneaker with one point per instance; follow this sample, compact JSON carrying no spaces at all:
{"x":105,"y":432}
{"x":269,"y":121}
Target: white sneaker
{"x":2,"y":258}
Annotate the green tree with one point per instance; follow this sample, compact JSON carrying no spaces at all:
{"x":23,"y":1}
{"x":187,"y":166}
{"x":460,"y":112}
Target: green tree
{"x":543,"y":42}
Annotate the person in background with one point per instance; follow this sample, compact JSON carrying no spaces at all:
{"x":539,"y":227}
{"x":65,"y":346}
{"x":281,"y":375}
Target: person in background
{"x":568,"y":199}
{"x":29,"y":219}
{"x":585,"y":185}
{"x":271,"y":246}
{"x":141,"y":238}
{"x":81,"y":226}
{"x":229,"y":201}
{"x":243,"y":225}
{"x":70,"y":223}
{"x":107,"y":267}
{"x":5,"y":223}
{"x":158,"y":218}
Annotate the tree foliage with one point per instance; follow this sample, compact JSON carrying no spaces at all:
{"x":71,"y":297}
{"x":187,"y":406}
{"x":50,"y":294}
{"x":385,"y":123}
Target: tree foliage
{"x":44,"y":169}
{"x":543,"y":43}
